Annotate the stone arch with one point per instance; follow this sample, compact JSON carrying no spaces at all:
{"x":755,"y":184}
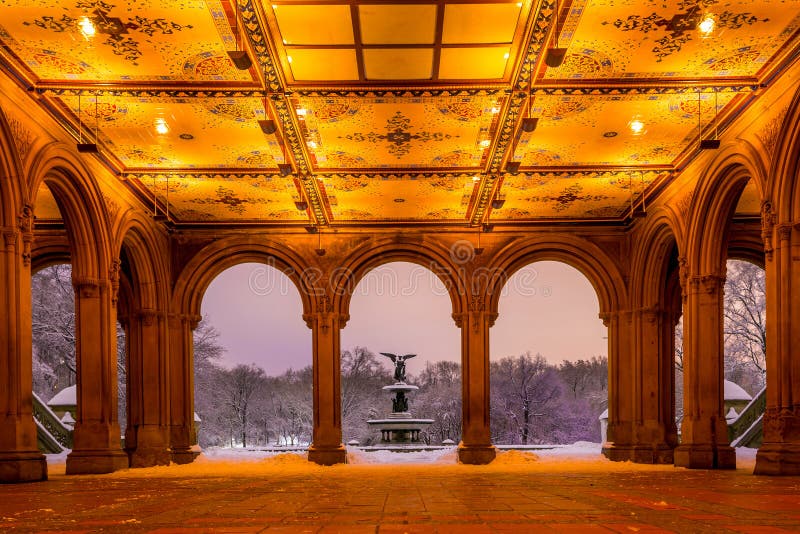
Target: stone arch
{"x":48,"y":251}
{"x":710,"y":214}
{"x":81,"y":205}
{"x":149,"y":271}
{"x":785,"y":170}
{"x":650,"y":258}
{"x":583,"y":255}
{"x":201,"y":270}
{"x":11,"y":192}
{"x":433,"y":256}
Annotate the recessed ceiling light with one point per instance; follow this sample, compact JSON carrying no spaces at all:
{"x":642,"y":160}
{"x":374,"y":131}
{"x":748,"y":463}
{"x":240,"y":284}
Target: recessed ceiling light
{"x":610,"y":134}
{"x":637,"y":126}
{"x":484,"y":143}
{"x":495,"y":110}
{"x":476,"y":178}
{"x":87,"y":27}
{"x":312,"y":145}
{"x":186,"y":136}
{"x":399,"y":200}
{"x":519,"y":4}
{"x":505,"y":56}
{"x":301,"y":112}
{"x":289,"y":59}
{"x":706,"y":25}
{"x":161,"y":126}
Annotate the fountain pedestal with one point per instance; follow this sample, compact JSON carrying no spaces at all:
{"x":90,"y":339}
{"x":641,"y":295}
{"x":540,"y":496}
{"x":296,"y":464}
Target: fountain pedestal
{"x":400,"y":427}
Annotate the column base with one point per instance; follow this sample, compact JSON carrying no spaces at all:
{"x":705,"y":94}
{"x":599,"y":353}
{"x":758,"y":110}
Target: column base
{"x":149,"y":457}
{"x":327,"y":455}
{"x":95,"y":462}
{"x":641,"y":454}
{"x":184,"y":455}
{"x":476,"y":455}
{"x":693,"y":456}
{"x":778,"y":459}
{"x":18,"y":467}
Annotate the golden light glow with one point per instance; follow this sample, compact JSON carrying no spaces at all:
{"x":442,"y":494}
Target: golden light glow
{"x":706,"y":25}
{"x":484,"y":143}
{"x":301,"y":112}
{"x":87,"y":27}
{"x":476,"y":178}
{"x":637,"y":126}
{"x":161,"y":126}
{"x":289,"y":59}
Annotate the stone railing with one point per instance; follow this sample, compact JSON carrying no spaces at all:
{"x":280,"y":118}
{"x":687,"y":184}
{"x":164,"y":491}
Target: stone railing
{"x":751,"y":413}
{"x":46,"y":419}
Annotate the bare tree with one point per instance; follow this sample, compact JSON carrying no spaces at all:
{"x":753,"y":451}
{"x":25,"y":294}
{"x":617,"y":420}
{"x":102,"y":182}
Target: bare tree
{"x":242,"y":382}
{"x":745,"y":324}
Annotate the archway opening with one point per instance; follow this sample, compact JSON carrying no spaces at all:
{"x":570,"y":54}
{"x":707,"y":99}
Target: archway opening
{"x":401,"y":308}
{"x":548,"y":364}
{"x":252,"y":363}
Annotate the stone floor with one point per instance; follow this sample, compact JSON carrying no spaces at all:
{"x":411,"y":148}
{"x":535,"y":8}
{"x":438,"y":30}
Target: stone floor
{"x":294,"y":496}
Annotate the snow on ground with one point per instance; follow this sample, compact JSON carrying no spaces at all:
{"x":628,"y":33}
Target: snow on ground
{"x":578,"y":457}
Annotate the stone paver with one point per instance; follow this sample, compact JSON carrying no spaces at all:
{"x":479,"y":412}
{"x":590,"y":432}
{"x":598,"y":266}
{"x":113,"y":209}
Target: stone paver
{"x":406,"y":499}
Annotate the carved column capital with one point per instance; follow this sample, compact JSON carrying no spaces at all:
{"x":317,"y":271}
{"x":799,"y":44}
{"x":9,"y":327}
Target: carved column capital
{"x":767,"y":227}
{"x":784,"y":232}
{"x":87,"y":288}
{"x":149,"y":317}
{"x":113,"y":276}
{"x":326,"y":320}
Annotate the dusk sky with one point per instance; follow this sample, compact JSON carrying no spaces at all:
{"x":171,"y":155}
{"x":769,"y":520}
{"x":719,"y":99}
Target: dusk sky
{"x":547,"y":307}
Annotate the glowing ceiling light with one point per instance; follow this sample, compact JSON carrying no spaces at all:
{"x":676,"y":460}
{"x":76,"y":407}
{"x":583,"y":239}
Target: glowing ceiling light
{"x":87,"y":27}
{"x":519,"y":4}
{"x":312,"y":145}
{"x":484,"y":143}
{"x":161,"y":126}
{"x":289,"y":59}
{"x":636,"y":125}
{"x":274,"y":6}
{"x":706,"y":25}
{"x":505,"y":56}
{"x":301,"y":112}
{"x":476,"y":178}
{"x":495,"y":110}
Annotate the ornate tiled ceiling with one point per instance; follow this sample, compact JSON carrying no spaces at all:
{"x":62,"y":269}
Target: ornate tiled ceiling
{"x":395,"y":111}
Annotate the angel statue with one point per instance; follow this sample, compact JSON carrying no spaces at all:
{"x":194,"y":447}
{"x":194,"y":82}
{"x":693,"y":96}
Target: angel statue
{"x":399,"y":365}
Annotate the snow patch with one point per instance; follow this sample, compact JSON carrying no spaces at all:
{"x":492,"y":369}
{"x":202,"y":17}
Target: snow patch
{"x":513,"y":457}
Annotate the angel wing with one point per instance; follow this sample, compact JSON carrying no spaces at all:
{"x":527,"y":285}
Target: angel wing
{"x":407,"y":356}
{"x":392,"y":357}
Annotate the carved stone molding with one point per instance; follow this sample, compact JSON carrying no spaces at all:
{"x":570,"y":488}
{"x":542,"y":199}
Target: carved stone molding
{"x":87,"y":288}
{"x":23,"y":137}
{"x":148,"y":317}
{"x":707,"y":283}
{"x":782,"y":424}
{"x":113,"y":276}
{"x":9,"y":238}
{"x":784,"y":232}
{"x":767,"y":227}
{"x":769,"y":134}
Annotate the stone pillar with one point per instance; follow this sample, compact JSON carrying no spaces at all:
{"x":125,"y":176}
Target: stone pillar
{"x":96,"y":439}
{"x":622,"y":389}
{"x":20,"y":459}
{"x":476,"y":439}
{"x":704,"y":436}
{"x":182,"y":435}
{"x":147,"y":437}
{"x":780,"y":452}
{"x":654,"y":422}
{"x":326,"y":443}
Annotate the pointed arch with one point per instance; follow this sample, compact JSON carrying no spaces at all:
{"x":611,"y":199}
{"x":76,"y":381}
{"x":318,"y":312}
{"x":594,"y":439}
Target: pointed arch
{"x":11,"y":189}
{"x":784,"y":173}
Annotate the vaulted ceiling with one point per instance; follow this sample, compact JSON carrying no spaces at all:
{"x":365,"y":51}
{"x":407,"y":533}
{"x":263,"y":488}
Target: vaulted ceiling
{"x":395,"y":112}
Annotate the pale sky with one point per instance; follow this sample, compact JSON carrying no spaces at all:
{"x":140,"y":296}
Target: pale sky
{"x":547,"y":307}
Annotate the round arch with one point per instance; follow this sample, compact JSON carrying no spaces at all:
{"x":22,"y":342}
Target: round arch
{"x":11,"y":192}
{"x":715,"y":198}
{"x":434,"y":257}
{"x":82,"y":208}
{"x":651,"y":257}
{"x":583,"y":255}
{"x":148,"y":269}
{"x":785,"y":170}
{"x":207,"y":264}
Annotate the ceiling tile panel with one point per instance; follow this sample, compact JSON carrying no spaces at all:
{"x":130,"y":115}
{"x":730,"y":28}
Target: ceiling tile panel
{"x":146,"y":40}
{"x":200,"y":132}
{"x":398,"y":63}
{"x":397,"y":24}
{"x":314,"y":24}
{"x":473,"y":63}
{"x":480,"y":23}
{"x":323,"y":64}
{"x":398,"y":197}
{"x":389,"y":132}
{"x":631,"y":39}
{"x":591,"y":130}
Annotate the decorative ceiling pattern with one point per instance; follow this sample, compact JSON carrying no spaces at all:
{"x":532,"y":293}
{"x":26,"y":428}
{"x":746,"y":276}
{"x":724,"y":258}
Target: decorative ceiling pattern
{"x":361,"y":112}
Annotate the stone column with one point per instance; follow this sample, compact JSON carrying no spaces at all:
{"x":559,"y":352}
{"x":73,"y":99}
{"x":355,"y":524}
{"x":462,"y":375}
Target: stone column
{"x":780,"y":452}
{"x":182,"y":435}
{"x":704,"y":436}
{"x":622,"y":390}
{"x":654,"y":426}
{"x":476,"y":440}
{"x":96,"y":439}
{"x":20,"y":459}
{"x":326,"y":444}
{"x":148,"y":380}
